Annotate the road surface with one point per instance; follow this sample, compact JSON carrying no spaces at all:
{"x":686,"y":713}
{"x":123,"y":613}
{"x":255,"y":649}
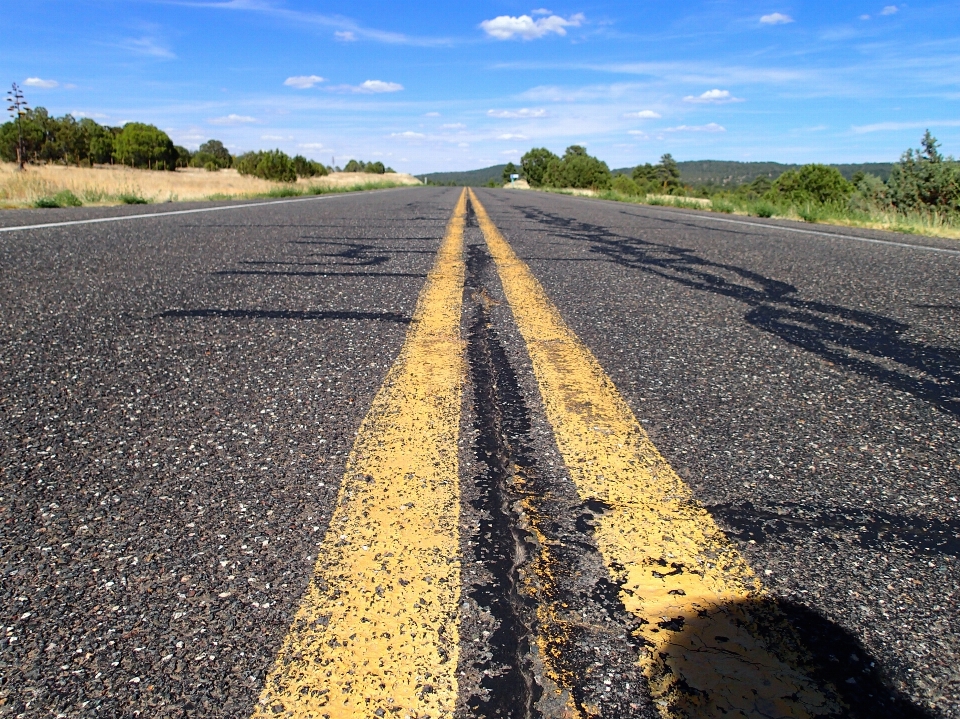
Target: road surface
{"x":431,"y":453}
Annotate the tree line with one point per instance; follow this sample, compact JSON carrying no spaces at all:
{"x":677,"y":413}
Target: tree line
{"x":923,"y":180}
{"x":84,"y":142}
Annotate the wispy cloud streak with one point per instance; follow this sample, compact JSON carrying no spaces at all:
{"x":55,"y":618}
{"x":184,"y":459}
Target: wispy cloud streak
{"x":345,"y":28}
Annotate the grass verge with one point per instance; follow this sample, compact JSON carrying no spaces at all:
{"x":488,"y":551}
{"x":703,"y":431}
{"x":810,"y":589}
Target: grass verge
{"x":68,"y":186}
{"x":913,"y":223}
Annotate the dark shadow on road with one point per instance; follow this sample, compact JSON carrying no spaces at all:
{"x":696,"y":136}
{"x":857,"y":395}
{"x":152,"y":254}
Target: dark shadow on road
{"x":866,"y":342}
{"x":286,"y":315}
{"x":871,"y":529}
{"x":769,"y":658}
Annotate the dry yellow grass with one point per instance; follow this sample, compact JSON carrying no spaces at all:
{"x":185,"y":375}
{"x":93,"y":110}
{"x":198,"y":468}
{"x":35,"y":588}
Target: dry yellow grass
{"x":104,"y":185}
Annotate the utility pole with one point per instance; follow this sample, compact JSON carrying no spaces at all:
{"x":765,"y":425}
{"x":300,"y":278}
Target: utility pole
{"x":18,"y":108}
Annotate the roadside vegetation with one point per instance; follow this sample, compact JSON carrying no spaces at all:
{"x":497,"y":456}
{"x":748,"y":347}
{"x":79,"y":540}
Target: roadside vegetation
{"x":71,"y":162}
{"x":921,"y":194}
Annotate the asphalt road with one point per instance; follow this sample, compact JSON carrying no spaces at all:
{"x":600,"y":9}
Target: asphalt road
{"x":179,"y":396}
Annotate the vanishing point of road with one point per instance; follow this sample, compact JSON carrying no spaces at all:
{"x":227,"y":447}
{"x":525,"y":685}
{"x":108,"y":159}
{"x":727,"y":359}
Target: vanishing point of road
{"x":429,"y":453}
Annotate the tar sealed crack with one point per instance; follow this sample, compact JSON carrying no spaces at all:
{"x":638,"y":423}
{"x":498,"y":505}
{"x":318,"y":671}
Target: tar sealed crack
{"x":503,"y":545}
{"x":560,"y":642}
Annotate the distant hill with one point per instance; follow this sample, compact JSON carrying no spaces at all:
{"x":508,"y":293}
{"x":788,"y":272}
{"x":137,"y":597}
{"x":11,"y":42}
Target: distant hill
{"x":696,"y":172}
{"x":468,"y":178}
{"x":723,"y":172}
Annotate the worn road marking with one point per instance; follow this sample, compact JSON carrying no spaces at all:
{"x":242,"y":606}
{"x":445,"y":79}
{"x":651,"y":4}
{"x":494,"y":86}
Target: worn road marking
{"x":169,"y":213}
{"x":713,"y":645}
{"x":377,"y":631}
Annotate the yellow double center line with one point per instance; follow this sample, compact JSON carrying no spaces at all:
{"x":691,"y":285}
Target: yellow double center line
{"x":378,"y":628}
{"x":377,"y":633}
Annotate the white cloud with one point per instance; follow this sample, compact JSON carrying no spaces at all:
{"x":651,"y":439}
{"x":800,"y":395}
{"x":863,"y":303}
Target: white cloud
{"x":507,"y":27}
{"x":522,"y":112}
{"x":776,"y":18}
{"x":379,"y":86}
{"x":889,"y":126}
{"x":713,"y":96}
{"x":273,"y":138}
{"x":453,"y":126}
{"x":431,"y":114}
{"x":146,"y":46}
{"x":232,"y":120}
{"x":864,"y":17}
{"x":91,"y":115}
{"x":644,"y":115}
{"x":709,"y":127}
{"x":511,"y":136}
{"x":302,"y":82}
{"x":345,"y":36}
{"x":639,"y":133}
{"x":311,"y":145}
{"x":38,"y":82}
{"x":408,"y":135}
{"x":890,"y":10}
{"x":464,"y":144}
{"x":541,"y":11}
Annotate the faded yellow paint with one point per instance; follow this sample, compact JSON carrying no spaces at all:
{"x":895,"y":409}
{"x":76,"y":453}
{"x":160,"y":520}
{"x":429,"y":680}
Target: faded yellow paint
{"x":714,"y":646}
{"x":378,"y":626}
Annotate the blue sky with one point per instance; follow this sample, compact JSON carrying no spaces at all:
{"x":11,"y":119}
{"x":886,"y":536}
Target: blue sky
{"x":432,"y":85}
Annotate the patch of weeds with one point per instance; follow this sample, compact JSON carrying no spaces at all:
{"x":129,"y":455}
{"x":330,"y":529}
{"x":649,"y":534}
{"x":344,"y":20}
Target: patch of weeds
{"x":763,"y":209}
{"x":128,"y":198}
{"x":285,"y":192}
{"x":91,"y":197}
{"x":722,"y":206}
{"x":656,"y":201}
{"x":810,"y":213}
{"x":687,"y":204}
{"x":64,"y":198}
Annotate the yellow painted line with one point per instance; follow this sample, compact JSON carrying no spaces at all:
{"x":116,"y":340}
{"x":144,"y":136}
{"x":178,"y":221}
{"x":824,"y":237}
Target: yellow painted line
{"x":713,"y":645}
{"x":378,"y":628}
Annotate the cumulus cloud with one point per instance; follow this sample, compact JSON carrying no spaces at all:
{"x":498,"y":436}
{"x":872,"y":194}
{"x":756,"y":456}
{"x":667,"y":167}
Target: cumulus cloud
{"x":232,"y":120}
{"x":776,"y":18}
{"x":39,"y":82}
{"x":345,"y":36}
{"x":302,"y":82}
{"x":408,"y":135}
{"x":715,"y":97}
{"x":522,"y":112}
{"x":511,"y":136}
{"x":272,"y":138}
{"x":311,"y":145}
{"x":524,"y":27}
{"x":380,"y":86}
{"x":890,"y":10}
{"x":453,"y":126}
{"x":639,"y":133}
{"x":431,"y":114}
{"x":644,"y":115}
{"x":709,"y":127}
